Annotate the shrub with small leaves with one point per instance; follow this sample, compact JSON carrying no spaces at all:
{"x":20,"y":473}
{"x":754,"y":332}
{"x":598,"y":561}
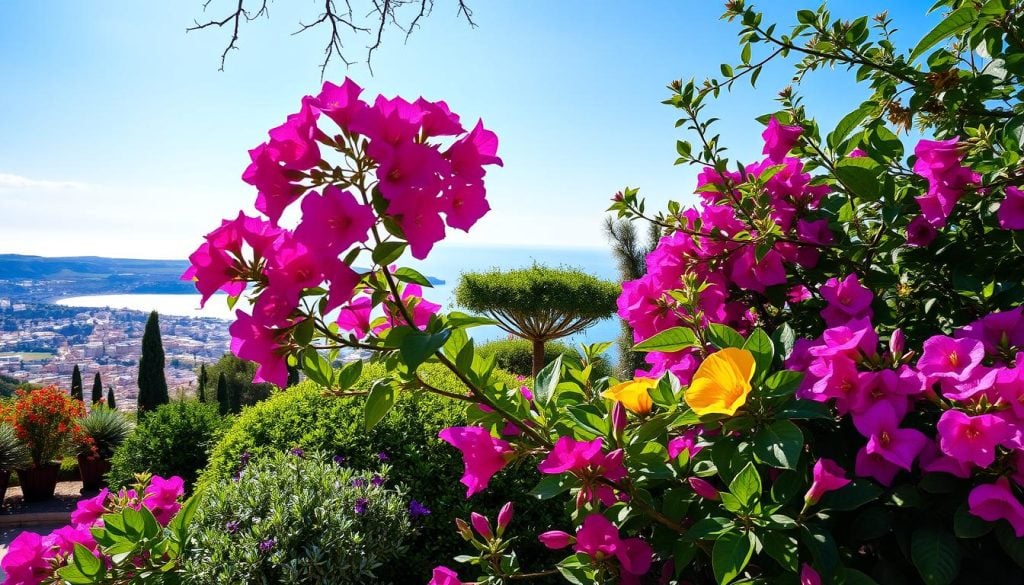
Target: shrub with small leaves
{"x":298,"y":517}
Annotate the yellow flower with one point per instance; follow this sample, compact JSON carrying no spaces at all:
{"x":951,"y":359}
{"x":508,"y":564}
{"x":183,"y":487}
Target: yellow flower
{"x":633,"y":394}
{"x":721,"y":383}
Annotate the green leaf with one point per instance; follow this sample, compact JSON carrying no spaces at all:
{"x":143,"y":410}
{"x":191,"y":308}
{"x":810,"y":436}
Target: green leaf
{"x":317,"y":368}
{"x":379,"y":401}
{"x":730,"y":555}
{"x":967,"y":525}
{"x":183,"y":519}
{"x":851,"y":496}
{"x":387,"y":252}
{"x":746,"y":486}
{"x":74,"y":576}
{"x":708,"y":529}
{"x":784,"y":338}
{"x":547,"y":381}
{"x":412,"y":276}
{"x":349,"y":374}
{"x":669,"y":340}
{"x":553,"y":485}
{"x":784,"y":549}
{"x":779,"y":445}
{"x":936,"y":556}
{"x":860,"y":175}
{"x":85,"y":562}
{"x":761,"y":346}
{"x":822,"y":546}
{"x":848,"y":123}
{"x":1011,"y":545}
{"x":782,"y":383}
{"x":954,"y":24}
{"x":850,"y":576}
{"x":457,"y":319}
{"x":724,"y":336}
{"x":418,"y":346}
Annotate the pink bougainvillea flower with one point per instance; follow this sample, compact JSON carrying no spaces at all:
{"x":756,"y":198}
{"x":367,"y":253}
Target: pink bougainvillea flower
{"x":571,"y":455}
{"x":920,"y":232}
{"x":341,"y":103}
{"x":880,"y":424}
{"x":685,"y":442}
{"x":750,"y":274}
{"x":252,"y":340}
{"x":213,"y":269}
{"x":89,"y":510}
{"x":471,"y":153}
{"x":599,"y":538}
{"x":27,"y":561}
{"x":444,"y":576}
{"x":847,"y":299}
{"x":808,"y":576}
{"x":703,"y":488}
{"x":947,"y":358}
{"x":293,"y":143}
{"x":408,"y":172}
{"x":939,"y":163}
{"x":933,"y":460}
{"x":419,"y":308}
{"x":276,"y":191}
{"x":996,"y":501}
{"x":997,"y":330}
{"x":438,"y":119}
{"x":556,"y":539}
{"x":65,"y":538}
{"x":875,"y":466}
{"x":332,"y":222}
{"x":421,"y":222}
{"x":798,"y":294}
{"x":779,"y":139}
{"x":464,"y":205}
{"x":161,"y":497}
{"x":482,"y":454}
{"x":355,"y":316}
{"x":1011,"y":210}
{"x":971,"y":439}
{"x":826,"y":477}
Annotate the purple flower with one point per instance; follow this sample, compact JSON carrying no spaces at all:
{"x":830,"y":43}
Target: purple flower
{"x":267,"y":545}
{"x":362,"y":504}
{"x":340,"y":459}
{"x":417,"y":509}
{"x":298,"y":452}
{"x":246,"y":456}
{"x":232,"y":527}
{"x":358,"y":482}
{"x":383,"y":456}
{"x":376,"y":480}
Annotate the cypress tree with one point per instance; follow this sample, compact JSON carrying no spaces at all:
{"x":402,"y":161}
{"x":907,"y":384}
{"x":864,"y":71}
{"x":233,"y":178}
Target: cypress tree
{"x":201,"y":392}
{"x":152,"y":383}
{"x":222,"y":394}
{"x":110,"y":398}
{"x":97,"y":388}
{"x":76,"y":383}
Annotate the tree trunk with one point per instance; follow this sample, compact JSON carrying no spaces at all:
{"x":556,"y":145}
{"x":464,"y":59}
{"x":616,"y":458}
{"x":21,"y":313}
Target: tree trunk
{"x":538,"y":356}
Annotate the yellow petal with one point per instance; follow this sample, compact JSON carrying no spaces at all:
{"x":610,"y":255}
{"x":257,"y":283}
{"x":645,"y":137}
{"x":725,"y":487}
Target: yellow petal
{"x":633,"y":394}
{"x":721,"y":383}
{"x":743,"y":361}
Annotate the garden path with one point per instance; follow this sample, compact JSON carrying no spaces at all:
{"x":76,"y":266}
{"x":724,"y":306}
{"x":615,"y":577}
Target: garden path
{"x":42,"y":517}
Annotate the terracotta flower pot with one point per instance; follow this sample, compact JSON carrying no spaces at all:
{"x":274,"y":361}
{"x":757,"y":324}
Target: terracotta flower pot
{"x":92,"y":470}
{"x":38,"y":482}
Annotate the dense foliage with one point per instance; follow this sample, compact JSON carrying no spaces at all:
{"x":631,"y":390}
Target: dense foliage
{"x":173,"y":440}
{"x":299,"y":517}
{"x":405,"y":440}
{"x":516,"y":355}
{"x":238,"y":375}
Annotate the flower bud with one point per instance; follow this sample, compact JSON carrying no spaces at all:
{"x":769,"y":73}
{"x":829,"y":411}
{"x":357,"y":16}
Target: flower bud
{"x":482,"y":526}
{"x":897,"y":343}
{"x":463,"y":529}
{"x":703,"y":488}
{"x":504,"y":517}
{"x":618,"y":419}
{"x":556,"y":539}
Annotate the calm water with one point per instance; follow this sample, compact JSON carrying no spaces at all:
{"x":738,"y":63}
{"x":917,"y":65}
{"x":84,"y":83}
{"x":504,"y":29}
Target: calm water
{"x":445,"y":262}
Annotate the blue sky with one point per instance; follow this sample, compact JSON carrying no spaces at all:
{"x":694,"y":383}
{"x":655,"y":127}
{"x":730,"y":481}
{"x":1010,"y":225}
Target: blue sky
{"x":122,"y":138}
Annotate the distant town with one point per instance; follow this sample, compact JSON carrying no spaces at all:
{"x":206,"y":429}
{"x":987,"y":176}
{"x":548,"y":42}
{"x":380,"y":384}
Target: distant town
{"x":41,"y":342}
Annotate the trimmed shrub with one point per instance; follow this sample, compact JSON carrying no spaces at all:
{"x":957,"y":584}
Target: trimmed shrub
{"x":516,"y":355}
{"x":407,"y":437}
{"x":172,"y":440}
{"x":297,"y":519}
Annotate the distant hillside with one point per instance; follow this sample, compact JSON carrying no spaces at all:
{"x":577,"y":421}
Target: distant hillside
{"x":53,"y":278}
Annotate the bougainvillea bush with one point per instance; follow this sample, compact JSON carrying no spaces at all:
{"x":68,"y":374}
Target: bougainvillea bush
{"x":833,"y":392}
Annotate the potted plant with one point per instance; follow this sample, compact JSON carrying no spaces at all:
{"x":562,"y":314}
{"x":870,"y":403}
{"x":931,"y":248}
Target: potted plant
{"x":103,"y":431}
{"x":13,"y":455}
{"x":47,"y":421}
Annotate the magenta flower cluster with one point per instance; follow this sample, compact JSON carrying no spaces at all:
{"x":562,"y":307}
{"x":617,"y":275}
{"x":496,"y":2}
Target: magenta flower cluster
{"x":391,"y":159}
{"x":33,"y":558}
{"x":975,"y":379}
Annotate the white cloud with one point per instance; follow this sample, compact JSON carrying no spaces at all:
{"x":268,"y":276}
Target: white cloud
{"x":9,"y":181}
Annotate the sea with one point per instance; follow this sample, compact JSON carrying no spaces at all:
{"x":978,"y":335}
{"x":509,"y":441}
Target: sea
{"x":446,"y":263}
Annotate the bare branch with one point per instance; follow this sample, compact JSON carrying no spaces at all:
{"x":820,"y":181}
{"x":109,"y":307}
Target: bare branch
{"x":235,"y":18}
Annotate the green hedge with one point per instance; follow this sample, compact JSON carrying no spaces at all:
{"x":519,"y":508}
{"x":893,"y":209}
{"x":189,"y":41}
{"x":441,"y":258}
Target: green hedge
{"x":516,"y":355}
{"x":174,"y":439}
{"x":428,"y":468}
